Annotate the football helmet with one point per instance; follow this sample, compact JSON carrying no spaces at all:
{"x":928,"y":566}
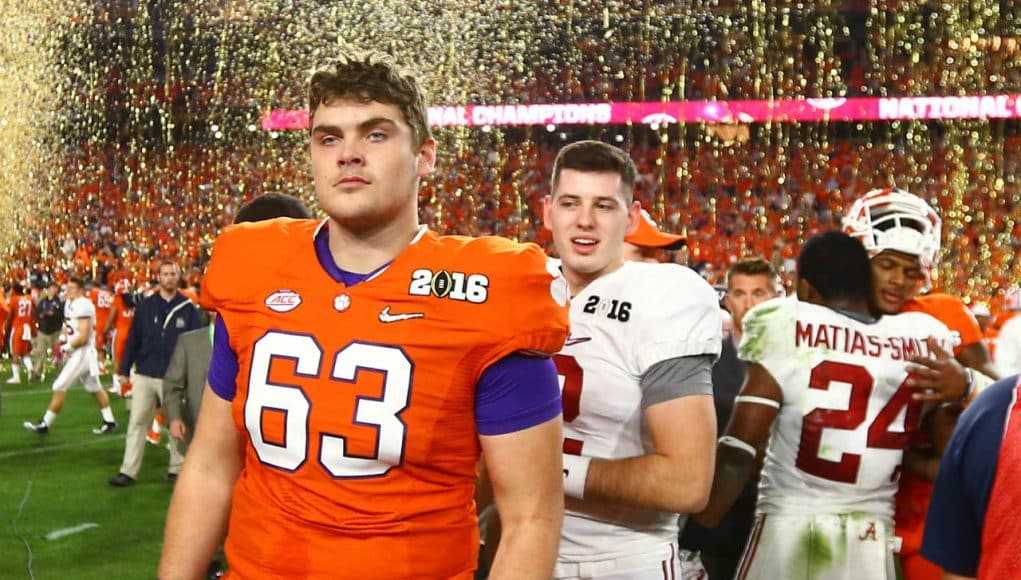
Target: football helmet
{"x":893,"y":219}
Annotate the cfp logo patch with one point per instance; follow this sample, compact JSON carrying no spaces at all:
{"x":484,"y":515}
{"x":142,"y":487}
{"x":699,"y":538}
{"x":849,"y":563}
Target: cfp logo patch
{"x":472,"y":288}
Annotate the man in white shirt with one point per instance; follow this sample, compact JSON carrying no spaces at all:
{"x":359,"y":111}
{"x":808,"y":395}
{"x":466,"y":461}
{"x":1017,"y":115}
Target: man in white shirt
{"x":639,"y":425}
{"x":82,"y":363}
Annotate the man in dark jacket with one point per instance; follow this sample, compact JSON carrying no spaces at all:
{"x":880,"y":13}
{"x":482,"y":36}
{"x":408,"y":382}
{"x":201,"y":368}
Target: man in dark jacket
{"x":159,"y":320}
{"x":49,"y":313}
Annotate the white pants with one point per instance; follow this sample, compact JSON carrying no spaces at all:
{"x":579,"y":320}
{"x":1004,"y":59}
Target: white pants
{"x":81,"y":365}
{"x":820,"y":547}
{"x":146,"y":391}
{"x":666,"y":563}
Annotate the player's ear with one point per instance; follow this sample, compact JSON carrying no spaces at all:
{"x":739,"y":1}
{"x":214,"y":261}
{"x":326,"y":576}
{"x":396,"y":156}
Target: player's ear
{"x":547,"y":210}
{"x":634,"y":213}
{"x":426,"y":157}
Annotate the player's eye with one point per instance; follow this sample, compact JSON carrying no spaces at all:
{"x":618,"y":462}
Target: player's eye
{"x":606,"y":206}
{"x":377,"y":136}
{"x":329,"y":140}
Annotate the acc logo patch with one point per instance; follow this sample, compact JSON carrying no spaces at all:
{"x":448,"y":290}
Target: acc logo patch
{"x":472,"y":288}
{"x":283,"y":301}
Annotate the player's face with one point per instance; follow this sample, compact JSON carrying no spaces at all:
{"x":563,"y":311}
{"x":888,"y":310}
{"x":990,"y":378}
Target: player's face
{"x":744,"y":292}
{"x":365,"y":165}
{"x":589,"y":215}
{"x":73,"y":291}
{"x":896,"y":278}
{"x":170,"y":278}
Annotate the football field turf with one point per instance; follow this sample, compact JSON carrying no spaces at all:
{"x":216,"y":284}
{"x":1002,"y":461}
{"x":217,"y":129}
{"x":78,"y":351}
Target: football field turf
{"x":58,"y":516}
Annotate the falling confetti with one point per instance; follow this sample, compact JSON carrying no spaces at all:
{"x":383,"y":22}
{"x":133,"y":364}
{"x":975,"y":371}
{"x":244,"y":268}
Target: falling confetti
{"x":132,"y":130}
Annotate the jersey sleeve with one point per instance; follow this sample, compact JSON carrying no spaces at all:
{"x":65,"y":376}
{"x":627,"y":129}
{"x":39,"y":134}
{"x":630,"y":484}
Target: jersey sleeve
{"x":223,"y":366}
{"x":679,"y":317}
{"x":240,"y":250}
{"x":515,"y":393}
{"x":760,"y":329}
{"x":951,"y":311}
{"x":526,"y":305}
{"x":954,"y":525}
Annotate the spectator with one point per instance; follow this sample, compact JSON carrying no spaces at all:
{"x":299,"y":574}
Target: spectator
{"x":159,"y":320}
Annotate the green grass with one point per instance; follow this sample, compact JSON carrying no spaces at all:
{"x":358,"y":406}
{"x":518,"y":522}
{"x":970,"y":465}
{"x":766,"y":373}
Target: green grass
{"x":63,"y":477}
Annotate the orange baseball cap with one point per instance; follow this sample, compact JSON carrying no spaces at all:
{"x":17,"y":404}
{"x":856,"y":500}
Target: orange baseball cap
{"x":648,"y":235}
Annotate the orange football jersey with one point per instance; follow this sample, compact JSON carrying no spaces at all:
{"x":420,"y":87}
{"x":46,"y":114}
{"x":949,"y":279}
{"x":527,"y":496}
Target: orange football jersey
{"x":356,"y":404}
{"x":102,"y":299}
{"x":23,"y":326}
{"x":951,"y":311}
{"x":122,"y":325}
{"x":22,"y":311}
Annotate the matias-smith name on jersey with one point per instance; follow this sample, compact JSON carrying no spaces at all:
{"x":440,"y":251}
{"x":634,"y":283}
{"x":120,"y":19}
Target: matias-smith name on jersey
{"x":472,"y":288}
{"x":852,"y":341}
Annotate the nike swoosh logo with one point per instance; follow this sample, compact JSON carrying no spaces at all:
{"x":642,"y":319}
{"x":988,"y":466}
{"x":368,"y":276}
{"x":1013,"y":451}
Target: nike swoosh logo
{"x":576,"y":340}
{"x":385,"y":316}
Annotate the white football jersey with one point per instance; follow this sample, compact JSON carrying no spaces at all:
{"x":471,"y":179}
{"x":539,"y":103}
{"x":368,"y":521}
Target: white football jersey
{"x":838,"y":440}
{"x":621,"y":325}
{"x":79,"y":308}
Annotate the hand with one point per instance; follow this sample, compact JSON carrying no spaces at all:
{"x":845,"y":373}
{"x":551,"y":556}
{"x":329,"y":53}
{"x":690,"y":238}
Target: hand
{"x":123,"y":380}
{"x":178,"y":429}
{"x":939,"y":377}
{"x":66,"y":347}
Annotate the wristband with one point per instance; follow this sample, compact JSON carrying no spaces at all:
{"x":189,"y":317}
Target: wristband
{"x":736,"y":443}
{"x":575,"y":474}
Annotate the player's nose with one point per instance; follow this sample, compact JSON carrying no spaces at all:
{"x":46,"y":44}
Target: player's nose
{"x":585,"y":216}
{"x":350,"y":154}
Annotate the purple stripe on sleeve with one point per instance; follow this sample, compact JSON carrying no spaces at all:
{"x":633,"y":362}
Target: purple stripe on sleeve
{"x":223,"y":368}
{"x":515,"y":393}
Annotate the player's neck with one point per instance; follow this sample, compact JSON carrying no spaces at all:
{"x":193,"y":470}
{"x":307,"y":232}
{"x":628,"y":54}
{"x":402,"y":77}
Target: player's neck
{"x":168,"y":295}
{"x":847,"y":305}
{"x":578,"y":281}
{"x":366,"y":250}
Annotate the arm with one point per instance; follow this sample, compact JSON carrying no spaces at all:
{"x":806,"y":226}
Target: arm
{"x":949,"y":576}
{"x":199,"y":509}
{"x":748,"y":431}
{"x":676,"y":478}
{"x":525,"y":471}
{"x":173,"y":389}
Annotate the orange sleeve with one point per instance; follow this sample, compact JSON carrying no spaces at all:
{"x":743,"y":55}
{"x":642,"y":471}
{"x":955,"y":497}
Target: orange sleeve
{"x":242,"y":254}
{"x":528,"y":302}
{"x":951,"y":311}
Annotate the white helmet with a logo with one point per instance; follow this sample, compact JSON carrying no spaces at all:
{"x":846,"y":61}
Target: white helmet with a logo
{"x":893,"y":219}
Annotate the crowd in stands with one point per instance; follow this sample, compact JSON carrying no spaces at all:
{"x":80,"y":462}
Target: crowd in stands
{"x":122,"y":212}
{"x":124,"y":205}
